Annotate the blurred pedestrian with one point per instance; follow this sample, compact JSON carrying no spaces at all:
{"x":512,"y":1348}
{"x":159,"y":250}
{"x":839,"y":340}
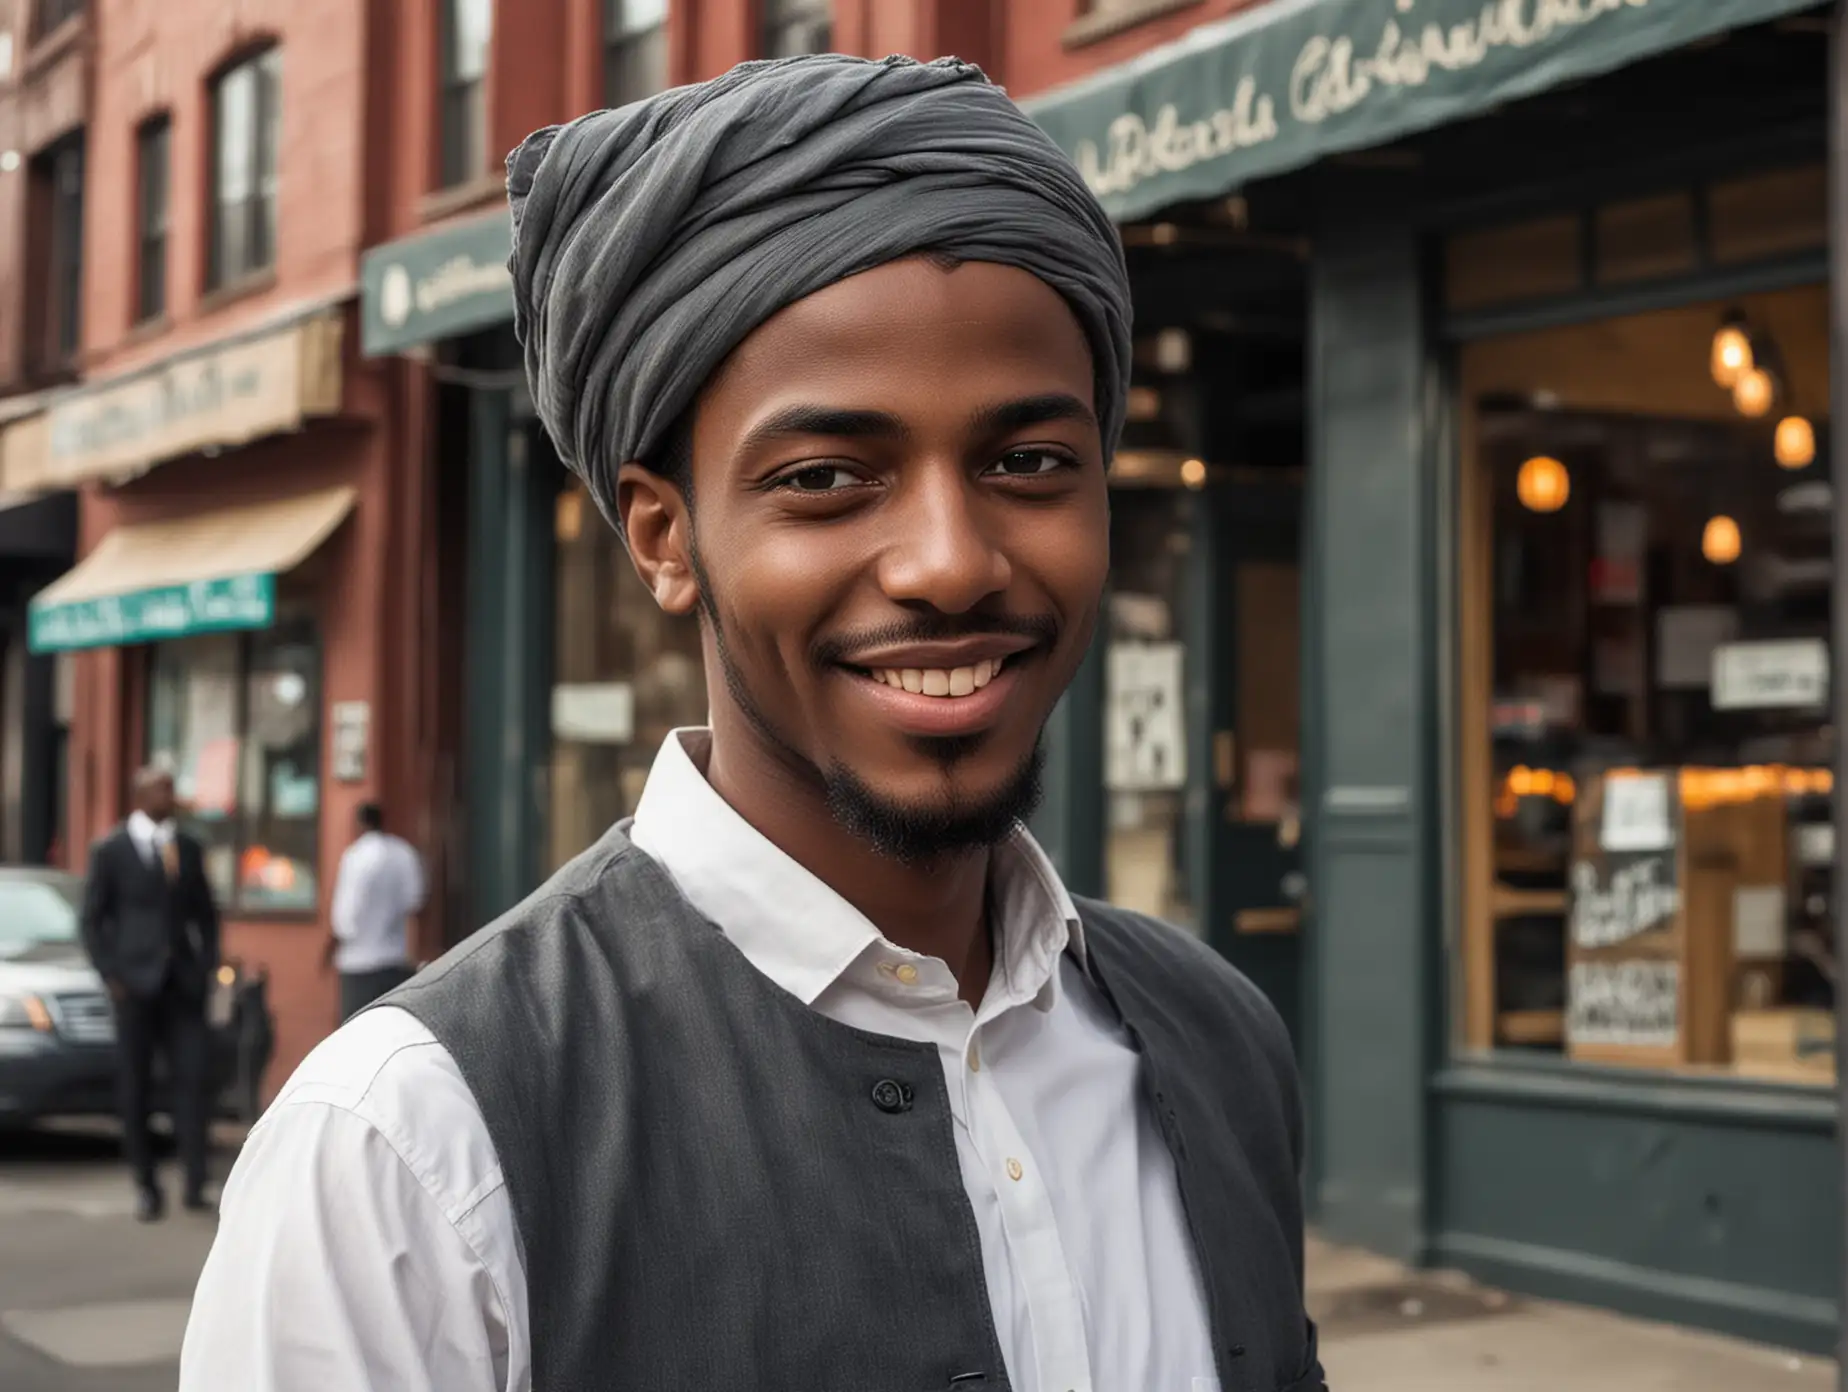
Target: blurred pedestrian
{"x":150,"y":926}
{"x":812,"y":1074}
{"x":379,"y":885}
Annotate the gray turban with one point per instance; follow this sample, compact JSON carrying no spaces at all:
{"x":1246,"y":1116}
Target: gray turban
{"x":649,"y":241}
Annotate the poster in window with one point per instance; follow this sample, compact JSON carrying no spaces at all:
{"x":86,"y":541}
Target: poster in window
{"x":1638,"y":814}
{"x":214,"y":781}
{"x":1628,"y":1004}
{"x":1619,"y":898}
{"x":1146,"y":748}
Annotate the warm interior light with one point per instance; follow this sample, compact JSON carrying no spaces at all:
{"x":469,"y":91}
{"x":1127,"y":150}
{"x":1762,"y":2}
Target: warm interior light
{"x":1732,"y":354}
{"x":1193,"y":473}
{"x":1543,"y":485}
{"x":1796,"y":442}
{"x":1753,"y":392}
{"x":1719,"y":543}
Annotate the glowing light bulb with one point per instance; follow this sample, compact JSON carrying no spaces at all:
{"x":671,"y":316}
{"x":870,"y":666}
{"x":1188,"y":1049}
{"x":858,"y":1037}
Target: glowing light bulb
{"x":1193,"y":473}
{"x":1732,"y":354}
{"x":1753,"y":392}
{"x":1720,"y":541}
{"x":1543,"y":485}
{"x":1796,"y":442}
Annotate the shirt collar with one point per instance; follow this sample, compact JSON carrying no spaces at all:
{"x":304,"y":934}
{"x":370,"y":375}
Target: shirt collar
{"x":795,"y":929}
{"x":144,"y":828}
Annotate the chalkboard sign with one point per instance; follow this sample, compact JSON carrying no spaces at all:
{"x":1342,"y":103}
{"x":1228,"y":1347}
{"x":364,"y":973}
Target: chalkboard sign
{"x":1618,"y":896}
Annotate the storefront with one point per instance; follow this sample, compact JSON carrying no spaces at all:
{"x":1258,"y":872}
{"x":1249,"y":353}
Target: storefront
{"x":562,"y":674}
{"x":1568,"y":602}
{"x":229,"y":618}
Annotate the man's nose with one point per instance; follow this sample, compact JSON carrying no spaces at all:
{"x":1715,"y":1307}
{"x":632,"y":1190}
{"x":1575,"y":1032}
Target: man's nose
{"x":942,"y":551}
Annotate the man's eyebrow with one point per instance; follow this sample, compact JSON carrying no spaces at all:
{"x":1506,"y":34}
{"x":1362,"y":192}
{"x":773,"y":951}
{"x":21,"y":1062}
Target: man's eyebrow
{"x":1006,"y":417}
{"x":837,"y":422}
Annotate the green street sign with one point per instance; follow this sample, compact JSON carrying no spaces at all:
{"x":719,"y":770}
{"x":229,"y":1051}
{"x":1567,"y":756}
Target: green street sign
{"x":147,"y":616}
{"x":1288,"y":82}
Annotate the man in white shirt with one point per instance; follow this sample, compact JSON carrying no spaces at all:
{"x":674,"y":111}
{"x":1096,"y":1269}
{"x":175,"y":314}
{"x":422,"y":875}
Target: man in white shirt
{"x":813,"y":1075}
{"x":379,"y":885}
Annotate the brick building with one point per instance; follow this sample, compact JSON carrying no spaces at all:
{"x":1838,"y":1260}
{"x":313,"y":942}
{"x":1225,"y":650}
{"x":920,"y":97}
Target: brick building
{"x":249,"y":575}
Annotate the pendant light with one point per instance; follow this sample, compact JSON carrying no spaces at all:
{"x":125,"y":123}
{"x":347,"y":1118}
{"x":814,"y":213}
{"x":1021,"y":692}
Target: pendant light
{"x":1755,"y":392}
{"x":1543,"y":485}
{"x":1732,"y":351}
{"x":1795,"y":445}
{"x":1720,"y":542}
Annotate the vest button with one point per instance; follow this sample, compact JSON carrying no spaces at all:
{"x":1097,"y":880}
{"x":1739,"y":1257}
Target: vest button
{"x":890,"y":1095}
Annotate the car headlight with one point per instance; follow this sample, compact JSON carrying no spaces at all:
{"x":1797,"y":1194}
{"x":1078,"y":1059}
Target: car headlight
{"x":24,"y":1012}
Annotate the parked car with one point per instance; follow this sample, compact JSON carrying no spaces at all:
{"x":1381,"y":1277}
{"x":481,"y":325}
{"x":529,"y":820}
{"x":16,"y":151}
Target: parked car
{"x":57,"y":1028}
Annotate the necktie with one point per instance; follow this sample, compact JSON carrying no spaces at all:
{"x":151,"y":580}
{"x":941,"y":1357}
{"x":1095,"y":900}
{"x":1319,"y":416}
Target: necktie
{"x":170,"y":858}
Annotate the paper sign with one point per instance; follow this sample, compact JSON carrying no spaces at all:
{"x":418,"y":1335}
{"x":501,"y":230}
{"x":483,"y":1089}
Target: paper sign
{"x":1686,"y":637}
{"x":1764,"y":676}
{"x":1146,"y":745}
{"x":1636,"y":814}
{"x":214,"y":784}
{"x":352,"y":740}
{"x":1637,"y":1003}
{"x":594,"y":712}
{"x":1759,"y":921}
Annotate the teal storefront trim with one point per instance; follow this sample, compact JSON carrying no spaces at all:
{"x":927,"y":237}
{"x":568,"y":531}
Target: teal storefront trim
{"x":440,"y":284}
{"x":1289,"y":82}
{"x":147,"y":616}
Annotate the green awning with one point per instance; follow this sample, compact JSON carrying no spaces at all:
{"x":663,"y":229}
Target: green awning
{"x":448,"y":281}
{"x":203,"y":572}
{"x":1286,"y":83}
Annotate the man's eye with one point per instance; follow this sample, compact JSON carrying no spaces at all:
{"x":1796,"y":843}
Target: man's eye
{"x":1029,"y":463}
{"x":819,"y":478}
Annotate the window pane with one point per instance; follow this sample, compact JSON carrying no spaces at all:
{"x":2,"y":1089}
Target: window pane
{"x":471,"y":26}
{"x":193,"y":722}
{"x":151,"y":271}
{"x":635,"y":67}
{"x":268,"y":137}
{"x":632,"y":17}
{"x":279,"y":812}
{"x":1651,"y":783}
{"x":67,"y":248}
{"x":792,"y":27}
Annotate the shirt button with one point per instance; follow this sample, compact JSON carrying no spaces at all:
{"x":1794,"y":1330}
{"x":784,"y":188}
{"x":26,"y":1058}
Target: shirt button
{"x":1014,"y":1169}
{"x":908,"y":974}
{"x":975,"y":1060}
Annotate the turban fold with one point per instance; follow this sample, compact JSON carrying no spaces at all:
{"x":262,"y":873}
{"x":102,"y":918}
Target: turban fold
{"x":650,"y":240}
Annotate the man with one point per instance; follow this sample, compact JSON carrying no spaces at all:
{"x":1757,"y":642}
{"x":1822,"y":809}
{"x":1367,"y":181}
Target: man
{"x":378,"y":886}
{"x":812,"y":1075}
{"x":150,"y":926}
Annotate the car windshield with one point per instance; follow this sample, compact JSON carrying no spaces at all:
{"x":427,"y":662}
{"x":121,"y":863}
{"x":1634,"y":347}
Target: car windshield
{"x":36,"y":914}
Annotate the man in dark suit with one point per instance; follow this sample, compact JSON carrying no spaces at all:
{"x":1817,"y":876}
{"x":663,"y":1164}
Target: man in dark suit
{"x":151,"y":928}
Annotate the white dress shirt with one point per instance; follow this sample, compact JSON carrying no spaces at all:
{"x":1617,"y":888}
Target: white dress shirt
{"x":148,"y":835}
{"x":367,"y":1240}
{"x":379,"y":885}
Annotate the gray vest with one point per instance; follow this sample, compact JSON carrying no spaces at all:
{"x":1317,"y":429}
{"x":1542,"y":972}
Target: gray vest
{"x":718,"y":1188}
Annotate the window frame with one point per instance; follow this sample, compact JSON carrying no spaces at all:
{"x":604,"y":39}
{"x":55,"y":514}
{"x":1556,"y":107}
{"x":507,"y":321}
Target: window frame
{"x":61,"y":170}
{"x":246,"y":643}
{"x":257,"y":208}
{"x":462,"y":106}
{"x":620,"y":40}
{"x":794,"y":27}
{"x":153,"y":224}
{"x":49,"y":16}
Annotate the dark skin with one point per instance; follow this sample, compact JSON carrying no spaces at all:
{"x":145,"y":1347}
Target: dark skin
{"x":901,"y":470}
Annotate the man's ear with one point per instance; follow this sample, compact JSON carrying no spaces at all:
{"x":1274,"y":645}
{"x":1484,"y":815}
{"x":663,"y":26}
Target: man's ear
{"x":659,"y":526}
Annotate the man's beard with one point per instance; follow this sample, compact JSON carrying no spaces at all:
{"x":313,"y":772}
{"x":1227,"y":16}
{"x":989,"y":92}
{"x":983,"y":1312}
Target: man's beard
{"x":909,"y":833}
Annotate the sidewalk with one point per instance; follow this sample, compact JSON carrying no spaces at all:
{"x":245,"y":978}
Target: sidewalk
{"x":1385,"y":1329}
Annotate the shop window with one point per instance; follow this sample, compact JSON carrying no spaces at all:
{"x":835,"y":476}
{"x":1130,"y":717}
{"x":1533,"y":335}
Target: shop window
{"x":797,"y":26}
{"x":1768,"y":215}
{"x":468,"y":27}
{"x":634,"y":50}
{"x":1647,"y":750}
{"x":246,"y":128}
{"x":60,"y":176}
{"x":152,"y":145}
{"x":237,"y":717}
{"x":1526,"y":261}
{"x":625,"y":674}
{"x":1147,"y":849}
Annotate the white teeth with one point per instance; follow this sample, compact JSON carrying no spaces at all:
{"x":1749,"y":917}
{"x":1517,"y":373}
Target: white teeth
{"x":938,"y":681}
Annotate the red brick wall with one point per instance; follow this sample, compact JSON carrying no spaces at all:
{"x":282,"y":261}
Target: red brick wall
{"x":162,"y":57}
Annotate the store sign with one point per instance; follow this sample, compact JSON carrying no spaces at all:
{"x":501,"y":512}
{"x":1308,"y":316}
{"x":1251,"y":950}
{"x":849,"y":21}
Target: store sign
{"x":1632,"y":1004}
{"x":444,"y":283}
{"x":147,"y":616}
{"x":1283,"y":84}
{"x":1146,"y":745}
{"x":352,"y":740}
{"x":1768,"y":676}
{"x":1615,"y":899}
{"x":213,"y":399}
